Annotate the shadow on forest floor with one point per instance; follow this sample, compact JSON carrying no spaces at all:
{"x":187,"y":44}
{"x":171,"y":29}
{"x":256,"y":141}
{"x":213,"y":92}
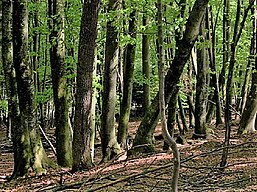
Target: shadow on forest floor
{"x":151,"y":172}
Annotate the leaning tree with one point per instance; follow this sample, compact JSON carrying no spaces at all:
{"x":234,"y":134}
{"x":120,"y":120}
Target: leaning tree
{"x":144,"y":136}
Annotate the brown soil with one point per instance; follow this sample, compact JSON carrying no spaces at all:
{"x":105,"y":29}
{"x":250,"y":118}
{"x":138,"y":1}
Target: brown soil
{"x":150,"y":172}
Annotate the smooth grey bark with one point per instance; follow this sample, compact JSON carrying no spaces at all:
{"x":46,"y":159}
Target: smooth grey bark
{"x":182,"y":116}
{"x":30,"y":151}
{"x":36,"y":43}
{"x":201,"y":88}
{"x":236,"y":37}
{"x":248,"y":119}
{"x":171,"y":142}
{"x":59,"y":81}
{"x":226,"y":48}
{"x":245,"y":87}
{"x":171,"y":121}
{"x":190,"y":96}
{"x":215,"y":97}
{"x":146,"y":65}
{"x":7,"y":58}
{"x":10,"y":78}
{"x":128,"y":83}
{"x":247,"y":122}
{"x":144,"y":136}
{"x":82,"y":124}
{"x":110,"y":146}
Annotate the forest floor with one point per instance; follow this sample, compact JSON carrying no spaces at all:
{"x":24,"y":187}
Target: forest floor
{"x":200,"y":171}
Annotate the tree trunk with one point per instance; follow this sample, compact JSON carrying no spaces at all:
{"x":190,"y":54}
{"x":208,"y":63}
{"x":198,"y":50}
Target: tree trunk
{"x":30,"y":152}
{"x":171,"y":121}
{"x":59,"y":81}
{"x":36,"y":43}
{"x":144,"y":136}
{"x":128,"y":83}
{"x":110,"y":146}
{"x":182,"y":116}
{"x":171,"y":142}
{"x":226,"y":32}
{"x":244,"y":90}
{"x":146,"y":66}
{"x":247,"y":122}
{"x":237,"y":33}
{"x":214,"y":79}
{"x":190,"y":96}
{"x":7,"y":58}
{"x":201,"y":88}
{"x":82,"y":125}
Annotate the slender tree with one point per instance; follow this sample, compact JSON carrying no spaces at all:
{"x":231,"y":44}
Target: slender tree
{"x":236,"y":37}
{"x":215,"y":97}
{"x":226,"y":32}
{"x":85,"y":68}
{"x":171,"y":142}
{"x":201,"y":88}
{"x":146,"y":64}
{"x":30,"y":154}
{"x":110,"y":146}
{"x":128,"y":82}
{"x":248,"y":119}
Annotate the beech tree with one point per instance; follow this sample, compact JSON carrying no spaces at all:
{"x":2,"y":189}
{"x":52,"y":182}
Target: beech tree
{"x":248,"y":119}
{"x":29,"y":154}
{"x":7,"y":58}
{"x":82,"y":124}
{"x":128,"y":82}
{"x":201,"y":86}
{"x":232,"y":62}
{"x":110,"y":146}
{"x":161,"y":70}
{"x":59,"y":81}
{"x":146,"y":64}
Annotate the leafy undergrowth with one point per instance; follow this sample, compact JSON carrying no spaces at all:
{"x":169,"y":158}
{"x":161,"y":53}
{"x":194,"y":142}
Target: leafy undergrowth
{"x":151,"y":172}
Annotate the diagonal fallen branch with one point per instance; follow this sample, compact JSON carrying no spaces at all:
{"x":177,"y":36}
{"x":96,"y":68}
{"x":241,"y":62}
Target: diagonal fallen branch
{"x":48,"y":141}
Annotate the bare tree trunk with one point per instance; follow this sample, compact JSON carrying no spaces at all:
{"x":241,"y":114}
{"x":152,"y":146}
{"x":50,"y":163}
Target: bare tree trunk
{"x":110,"y":146}
{"x":171,"y":142}
{"x":146,"y":65}
{"x":82,"y":125}
{"x":214,"y":79}
{"x":30,"y":151}
{"x":8,"y":66}
{"x":237,"y":33}
{"x":190,"y":96}
{"x":201,"y":88}
{"x":182,"y":116}
{"x":128,"y":83}
{"x":59,"y":81}
{"x":247,"y":122}
{"x":226,"y":32}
